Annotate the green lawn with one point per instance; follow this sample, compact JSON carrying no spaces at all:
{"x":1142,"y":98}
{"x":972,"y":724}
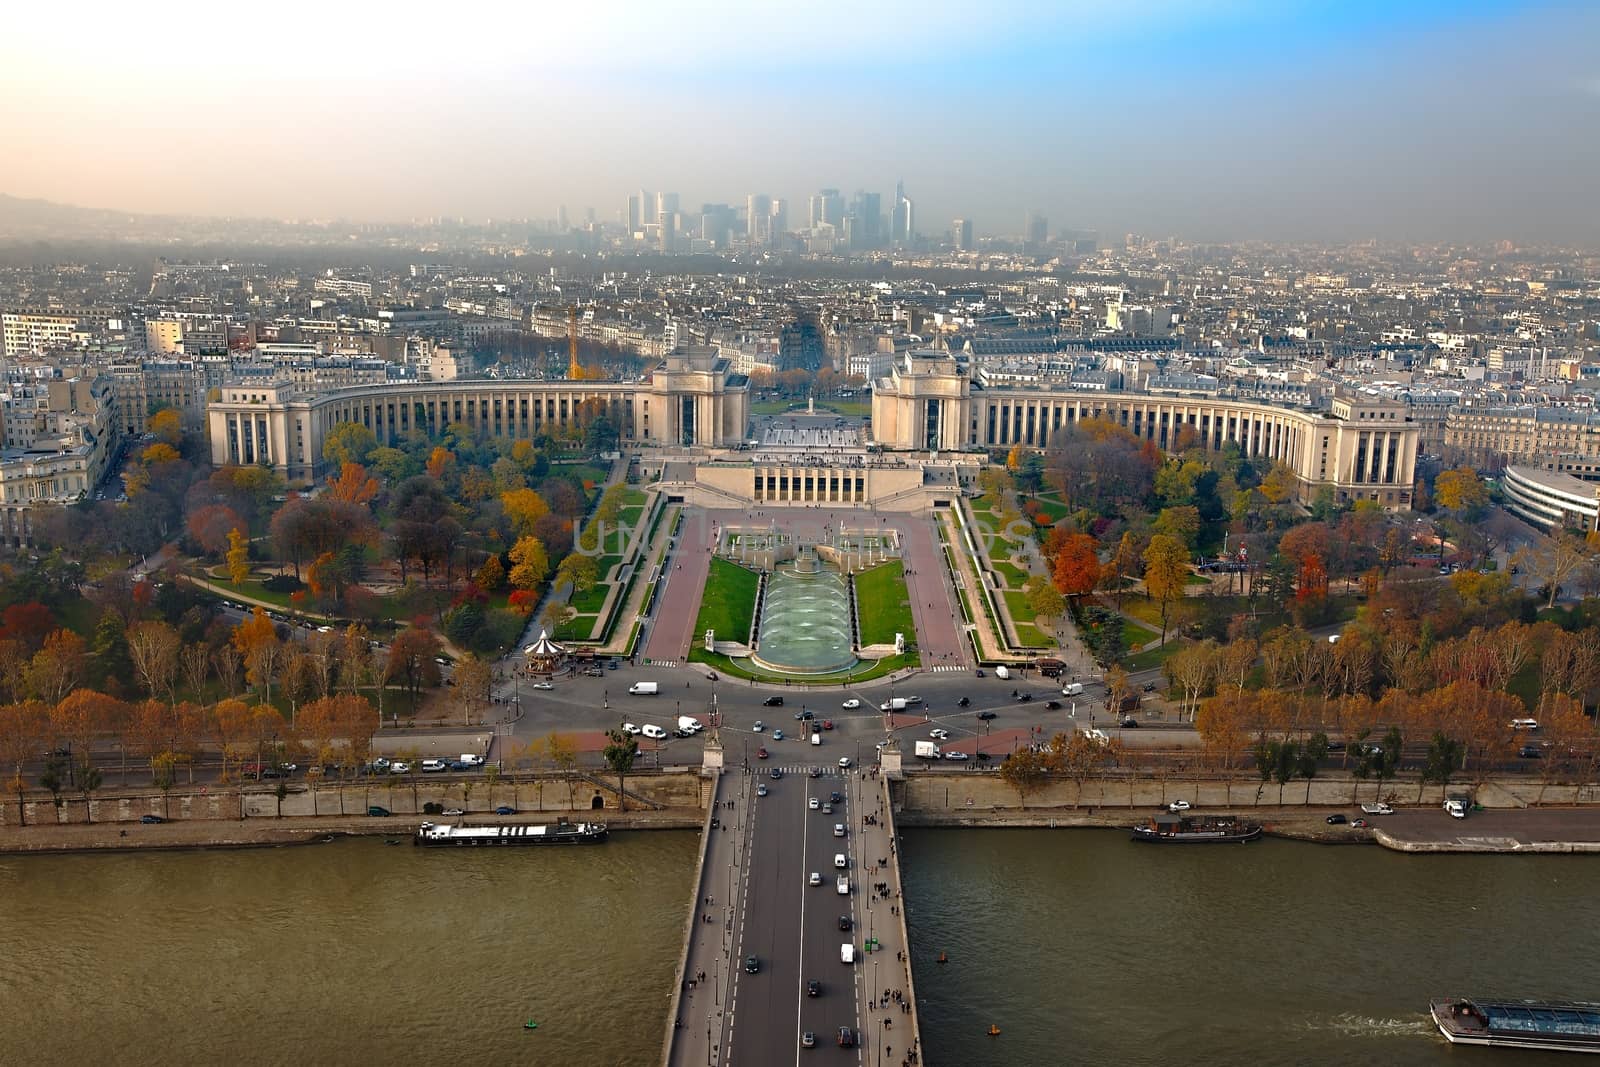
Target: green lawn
{"x":1053,"y":508}
{"x":1134,"y":635}
{"x":1154,"y":657}
{"x":729,"y":601}
{"x":1014,"y":575}
{"x":590,"y":601}
{"x":577,"y":628}
{"x":884,"y":605}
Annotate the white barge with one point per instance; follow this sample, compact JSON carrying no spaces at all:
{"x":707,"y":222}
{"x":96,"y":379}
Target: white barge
{"x":437,"y":835}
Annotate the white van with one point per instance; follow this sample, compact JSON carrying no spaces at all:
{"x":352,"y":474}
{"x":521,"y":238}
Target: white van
{"x":844,"y":885}
{"x":1002,"y":673}
{"x":654,"y":732}
{"x":847,"y":954}
{"x":1072,"y":689}
{"x":816,"y":739}
{"x":434,"y":766}
{"x":839,"y":860}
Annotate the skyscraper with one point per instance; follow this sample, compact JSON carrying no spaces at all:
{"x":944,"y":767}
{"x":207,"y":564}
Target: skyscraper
{"x":903,"y":228}
{"x":780,"y":218}
{"x":638,"y":204}
{"x":961,"y":231}
{"x":867,"y":229}
{"x":758,"y":219}
{"x":827,"y":208}
{"x":666,"y":204}
{"x":1035,"y":230}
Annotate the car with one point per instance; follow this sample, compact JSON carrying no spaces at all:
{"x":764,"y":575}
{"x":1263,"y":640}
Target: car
{"x":434,"y":766}
{"x":827,"y":724}
{"x":1337,"y":820}
{"x":844,"y":761}
{"x":594,"y":672}
{"x":986,"y":716}
{"x":505,"y":809}
{"x":1530,"y":752}
{"x":1128,"y":722}
{"x":1361,"y":824}
{"x":751,"y":965}
{"x":1335,"y":746}
{"x":758,"y":727}
{"x":851,"y":704}
{"x":979,"y":673}
{"x":378,"y":812}
{"x":777,"y":735}
{"x":813,"y":803}
{"x":838,"y":829}
{"x":777,"y":772}
{"x":816,"y":772}
{"x":844,"y":922}
{"x":964,"y":702}
{"x":772,"y":702}
{"x":806,"y":714}
{"x":543,"y":686}
{"x":1150,"y":687}
{"x":151,"y":820}
{"x":1053,"y":705}
{"x":955,"y":755}
{"x":939,"y":734}
{"x":836,"y":797}
{"x":1178,"y":805}
{"x":839,"y":860}
{"x":984,"y":757}
{"x":631,"y":729}
{"x":808,"y":1040}
{"x":454,"y":811}
{"x":761,"y":753}
{"x":813,"y":988}
{"x":1379,"y":808}
{"x":399,"y":767}
{"x":1023,"y":698}
{"x":711,"y":675}
{"x":815,"y":879}
{"x":847,"y":1037}
{"x":761,"y":790}
{"x":651,"y":730}
{"x":827,"y":809}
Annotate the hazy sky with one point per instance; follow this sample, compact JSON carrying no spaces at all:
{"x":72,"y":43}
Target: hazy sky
{"x":1457,"y":119}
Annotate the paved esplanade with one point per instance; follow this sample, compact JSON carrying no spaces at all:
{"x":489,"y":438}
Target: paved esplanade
{"x":757,"y":900}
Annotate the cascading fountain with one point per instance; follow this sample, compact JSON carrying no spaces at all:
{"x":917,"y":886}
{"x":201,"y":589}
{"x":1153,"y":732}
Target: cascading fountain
{"x":805,"y":620}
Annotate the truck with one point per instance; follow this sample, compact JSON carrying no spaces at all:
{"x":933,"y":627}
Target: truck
{"x":895,"y":704}
{"x":644,"y":689}
{"x":1072,"y":689}
{"x":472,"y":759}
{"x":1002,"y":672}
{"x":1458,"y":805}
{"x":688,"y":723}
{"x":927,"y":750}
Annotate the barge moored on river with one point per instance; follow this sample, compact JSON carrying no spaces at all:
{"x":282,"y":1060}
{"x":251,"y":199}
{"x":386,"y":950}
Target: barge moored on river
{"x":1553,"y":1026}
{"x":436,"y":835}
{"x":1192,"y":829}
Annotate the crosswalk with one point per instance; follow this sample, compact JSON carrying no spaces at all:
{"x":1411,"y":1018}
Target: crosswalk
{"x":798,"y":769}
{"x":944,"y":668}
{"x":663,"y":663}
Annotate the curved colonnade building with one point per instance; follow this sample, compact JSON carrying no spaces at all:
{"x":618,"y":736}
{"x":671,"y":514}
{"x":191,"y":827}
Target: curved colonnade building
{"x":692,"y":399}
{"x":1364,"y":448}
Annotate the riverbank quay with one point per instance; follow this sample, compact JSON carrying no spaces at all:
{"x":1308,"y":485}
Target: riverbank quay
{"x":889,"y":991}
{"x":579,"y":795}
{"x":277,"y":833}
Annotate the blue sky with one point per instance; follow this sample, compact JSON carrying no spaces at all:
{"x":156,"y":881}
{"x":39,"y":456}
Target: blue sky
{"x":1214,"y":119}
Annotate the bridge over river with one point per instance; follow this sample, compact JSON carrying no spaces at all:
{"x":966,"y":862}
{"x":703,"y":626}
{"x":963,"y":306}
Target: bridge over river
{"x":755,"y":900}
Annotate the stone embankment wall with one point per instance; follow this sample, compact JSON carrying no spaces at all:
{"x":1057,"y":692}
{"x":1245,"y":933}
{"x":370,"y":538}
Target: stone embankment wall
{"x":399,"y":794}
{"x":966,"y":796}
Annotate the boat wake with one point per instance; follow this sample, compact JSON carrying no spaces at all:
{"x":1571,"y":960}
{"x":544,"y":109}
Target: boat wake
{"x":1368,"y":1026}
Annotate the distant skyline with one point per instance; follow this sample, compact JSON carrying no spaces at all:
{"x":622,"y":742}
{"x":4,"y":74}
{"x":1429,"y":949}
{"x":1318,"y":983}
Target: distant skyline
{"x":1211,"y":120}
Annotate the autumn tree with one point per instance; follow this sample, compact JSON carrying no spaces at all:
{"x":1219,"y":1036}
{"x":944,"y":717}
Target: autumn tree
{"x":524,"y":508}
{"x":1194,"y":671}
{"x":1460,"y":490}
{"x":348,"y":442}
{"x":211,"y":525}
{"x":238,"y":556}
{"x":1554,"y":558}
{"x":580,"y":570}
{"x":1077,"y":570}
{"x":1166,"y":568}
{"x":1044,"y":599}
{"x":256,"y":641}
{"x":474,"y":681}
{"x":620,"y":752}
{"x":411,"y":661}
{"x":529,"y":563}
{"x":154,"y":647}
{"x":489,"y":577}
{"x":166,"y":426}
{"x":57,"y":668}
{"x":353,"y":485}
{"x":1025,"y":770}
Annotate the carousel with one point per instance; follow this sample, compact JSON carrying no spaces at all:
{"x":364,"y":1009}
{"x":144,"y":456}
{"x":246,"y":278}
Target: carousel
{"x":544,"y":656}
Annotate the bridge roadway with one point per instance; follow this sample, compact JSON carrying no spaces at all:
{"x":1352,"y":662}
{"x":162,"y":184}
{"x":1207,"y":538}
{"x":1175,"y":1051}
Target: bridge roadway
{"x":793,"y":929}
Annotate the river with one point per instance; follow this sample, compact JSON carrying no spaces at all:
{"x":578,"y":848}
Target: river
{"x":1086,"y":948}
{"x":345,"y":953}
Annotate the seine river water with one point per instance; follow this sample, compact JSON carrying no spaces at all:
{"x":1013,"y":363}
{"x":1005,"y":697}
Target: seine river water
{"x":348,"y":953}
{"x":1086,"y":948}
{"x":1082,"y":946}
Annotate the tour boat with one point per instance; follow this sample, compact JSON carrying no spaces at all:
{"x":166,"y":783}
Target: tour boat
{"x":1553,"y":1026}
{"x":1191,"y":829}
